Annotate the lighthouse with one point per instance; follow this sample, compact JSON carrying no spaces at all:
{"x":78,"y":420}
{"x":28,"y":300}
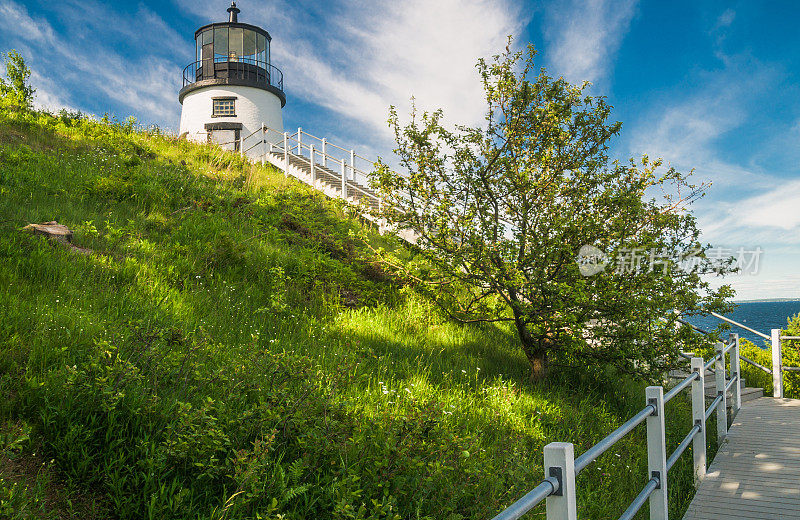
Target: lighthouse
{"x":231,"y":89}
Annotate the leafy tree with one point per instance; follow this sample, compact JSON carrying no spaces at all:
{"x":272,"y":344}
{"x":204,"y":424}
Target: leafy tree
{"x":15,"y":89}
{"x":500,"y":214}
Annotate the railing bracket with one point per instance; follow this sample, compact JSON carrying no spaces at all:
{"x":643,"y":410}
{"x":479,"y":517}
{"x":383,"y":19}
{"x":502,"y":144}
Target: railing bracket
{"x":656,"y":475}
{"x":557,"y":473}
{"x":654,"y":402}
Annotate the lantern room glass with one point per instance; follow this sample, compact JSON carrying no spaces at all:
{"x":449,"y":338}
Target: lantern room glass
{"x":261,"y":48}
{"x":235,"y":44}
{"x":221,"y":44}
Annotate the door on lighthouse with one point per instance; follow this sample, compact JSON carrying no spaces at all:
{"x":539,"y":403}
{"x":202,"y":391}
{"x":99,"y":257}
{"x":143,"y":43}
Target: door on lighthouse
{"x":225,"y":139}
{"x":225,"y":135}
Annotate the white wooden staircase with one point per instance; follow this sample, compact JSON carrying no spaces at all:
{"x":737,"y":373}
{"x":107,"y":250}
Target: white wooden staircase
{"x":334,"y":170}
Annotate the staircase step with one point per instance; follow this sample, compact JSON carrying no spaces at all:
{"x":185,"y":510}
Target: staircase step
{"x":751,"y":394}
{"x":748,"y":393}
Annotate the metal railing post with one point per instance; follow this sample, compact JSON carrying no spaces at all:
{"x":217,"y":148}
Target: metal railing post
{"x":777,"y":364}
{"x":722,"y":407}
{"x":559,"y":462}
{"x":736,"y":372}
{"x":353,"y":164}
{"x":299,"y":141}
{"x":267,"y":146}
{"x":286,"y":154}
{"x":657,"y":453}
{"x":313,"y":172}
{"x":699,"y":418}
{"x":344,"y":180}
{"x":325,"y":152}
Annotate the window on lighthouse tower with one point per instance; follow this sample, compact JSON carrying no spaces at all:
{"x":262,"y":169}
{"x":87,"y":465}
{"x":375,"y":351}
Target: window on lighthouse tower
{"x":223,"y":107}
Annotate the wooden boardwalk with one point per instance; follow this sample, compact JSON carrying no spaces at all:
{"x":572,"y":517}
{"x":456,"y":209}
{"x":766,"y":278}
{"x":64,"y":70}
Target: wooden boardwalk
{"x":756,"y":473}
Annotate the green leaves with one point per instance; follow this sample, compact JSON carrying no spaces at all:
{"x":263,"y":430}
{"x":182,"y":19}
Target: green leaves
{"x":15,"y":89}
{"x":502,"y":211}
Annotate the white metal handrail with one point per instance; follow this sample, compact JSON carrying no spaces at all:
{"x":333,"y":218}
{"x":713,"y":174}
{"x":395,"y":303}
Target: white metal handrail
{"x":348,"y":185}
{"x":325,"y":144}
{"x":305,"y":146}
{"x":745,"y":327}
{"x":324,"y":155}
{"x":300,"y":134}
{"x":776,"y":347}
{"x":328,"y":143}
{"x":294,"y":146}
{"x":561,"y":466}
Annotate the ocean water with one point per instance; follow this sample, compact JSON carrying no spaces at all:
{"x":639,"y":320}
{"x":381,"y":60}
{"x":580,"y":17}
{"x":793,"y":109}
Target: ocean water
{"x":761,"y":316}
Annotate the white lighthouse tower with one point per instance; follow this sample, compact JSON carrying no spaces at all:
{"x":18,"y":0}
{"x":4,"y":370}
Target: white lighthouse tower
{"x":231,"y":89}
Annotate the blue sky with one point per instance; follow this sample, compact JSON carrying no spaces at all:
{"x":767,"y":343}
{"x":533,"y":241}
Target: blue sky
{"x":710,"y":86}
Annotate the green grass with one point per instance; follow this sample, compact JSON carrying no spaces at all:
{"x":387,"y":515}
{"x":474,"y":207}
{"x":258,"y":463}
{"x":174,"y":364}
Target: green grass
{"x":30,"y":488}
{"x":231,"y":350}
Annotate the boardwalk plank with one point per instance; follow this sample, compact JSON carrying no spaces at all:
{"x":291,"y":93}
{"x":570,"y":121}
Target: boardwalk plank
{"x":756,"y":473}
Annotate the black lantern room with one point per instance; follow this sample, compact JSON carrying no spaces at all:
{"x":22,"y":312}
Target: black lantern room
{"x":232,"y":53}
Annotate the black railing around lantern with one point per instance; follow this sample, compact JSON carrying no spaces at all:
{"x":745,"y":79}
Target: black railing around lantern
{"x":242,"y":68}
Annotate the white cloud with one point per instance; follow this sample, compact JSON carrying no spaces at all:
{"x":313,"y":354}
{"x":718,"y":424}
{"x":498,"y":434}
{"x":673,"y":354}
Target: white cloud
{"x":746,"y":204}
{"x":584,"y":35}
{"x":686,"y":134}
{"x":762,"y":287}
{"x":770,"y":217}
{"x":145,"y":31}
{"x":48,"y":95}
{"x":14,"y":18}
{"x":778,"y":208}
{"x":687,"y":128}
{"x":726,"y":18}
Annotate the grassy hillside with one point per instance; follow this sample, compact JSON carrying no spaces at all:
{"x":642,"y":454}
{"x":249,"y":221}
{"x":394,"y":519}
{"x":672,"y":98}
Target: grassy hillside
{"x":230,"y":350}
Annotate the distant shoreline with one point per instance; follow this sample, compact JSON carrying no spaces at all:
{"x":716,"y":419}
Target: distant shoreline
{"x":767,"y":300}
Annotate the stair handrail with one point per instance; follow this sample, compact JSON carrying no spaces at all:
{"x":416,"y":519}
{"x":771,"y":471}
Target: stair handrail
{"x":745,"y":327}
{"x":302,"y":145}
{"x":271,"y":146}
{"x":741,"y":357}
{"x":351,"y":184}
{"x":260,"y":141}
{"x":297,"y":142}
{"x":561,"y":466}
{"x":327,"y":143}
{"x":776,"y":347}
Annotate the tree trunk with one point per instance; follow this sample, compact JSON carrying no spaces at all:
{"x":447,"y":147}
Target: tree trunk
{"x":538,"y":362}
{"x":535,"y":351}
